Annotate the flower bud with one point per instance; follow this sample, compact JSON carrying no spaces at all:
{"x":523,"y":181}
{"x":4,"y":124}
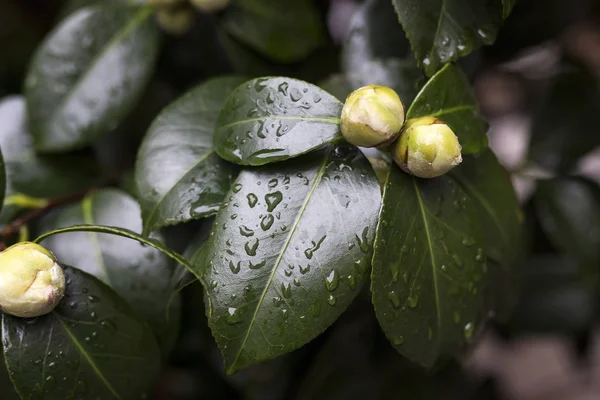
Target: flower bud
{"x":31,"y":281}
{"x":372,"y":116}
{"x":209,"y":6}
{"x":175,"y":21}
{"x":427,"y":148}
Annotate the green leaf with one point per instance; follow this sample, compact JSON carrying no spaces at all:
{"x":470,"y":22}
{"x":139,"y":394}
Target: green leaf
{"x":441,"y":31}
{"x":288,"y":252}
{"x":273,"y":119}
{"x":569,"y":212}
{"x":448,"y":97}
{"x":92,"y":346}
{"x":507,"y":6}
{"x":139,"y":274}
{"x":562,"y":122}
{"x":6,"y":386}
{"x":178,"y":175}
{"x":88,"y":74}
{"x":283,"y":31}
{"x":377,"y":52}
{"x":437,"y":248}
{"x":30,"y":174}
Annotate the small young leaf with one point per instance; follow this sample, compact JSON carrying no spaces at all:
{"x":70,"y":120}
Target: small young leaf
{"x":91,"y":346}
{"x":273,"y":119}
{"x":288,"y":252}
{"x":30,"y":174}
{"x":434,"y":265}
{"x":89,"y":73}
{"x":139,"y":274}
{"x":377,"y":51}
{"x":178,"y":175}
{"x":447,"y":96}
{"x":441,"y":31}
{"x":283,"y":31}
{"x":569,"y":211}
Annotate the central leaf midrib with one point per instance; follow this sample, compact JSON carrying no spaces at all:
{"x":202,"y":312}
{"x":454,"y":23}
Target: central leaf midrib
{"x":316,"y":182}
{"x":85,"y":355}
{"x":431,"y":253}
{"x":331,"y":120}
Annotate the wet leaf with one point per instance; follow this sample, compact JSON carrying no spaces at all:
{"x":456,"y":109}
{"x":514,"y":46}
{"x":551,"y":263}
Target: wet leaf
{"x":178,"y":175}
{"x":448,"y":97}
{"x":288,"y":252}
{"x":377,"y":51}
{"x":89,"y":73}
{"x":438,"y":253}
{"x":139,"y":274}
{"x":274,"y":119}
{"x":91,"y":346}
{"x":561,"y":125}
{"x":441,"y":31}
{"x":569,"y":212}
{"x":283,"y":31}
{"x":32,"y":174}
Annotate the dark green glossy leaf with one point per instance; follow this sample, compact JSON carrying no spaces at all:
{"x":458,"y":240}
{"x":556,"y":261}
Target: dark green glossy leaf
{"x":178,"y":175}
{"x":377,"y":52}
{"x":89,"y":73}
{"x":562,"y":126}
{"x":435,"y":264}
{"x":139,"y":274}
{"x":569,"y":212}
{"x":6,"y":386}
{"x":92,"y":346}
{"x":272,"y":119}
{"x":441,"y":31}
{"x":448,"y":96}
{"x":283,"y":31}
{"x":31,"y":174}
{"x":288,"y":252}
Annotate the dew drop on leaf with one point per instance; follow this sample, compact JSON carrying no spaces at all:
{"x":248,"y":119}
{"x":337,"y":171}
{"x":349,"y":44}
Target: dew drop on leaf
{"x":394,"y":299}
{"x":267,"y":222}
{"x":332,"y":280}
{"x":245,"y":231}
{"x":252,"y":199}
{"x":273,"y":199}
{"x":468,"y":330}
{"x":331,"y":300}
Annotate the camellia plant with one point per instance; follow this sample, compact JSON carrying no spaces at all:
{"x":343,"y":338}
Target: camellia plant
{"x":179,"y":175}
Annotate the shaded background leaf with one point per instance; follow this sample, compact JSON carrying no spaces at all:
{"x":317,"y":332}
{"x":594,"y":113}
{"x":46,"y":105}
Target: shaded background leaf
{"x":273,"y":119}
{"x":178,"y":176}
{"x":448,"y":97}
{"x":441,"y":31}
{"x":88,"y":74}
{"x":377,"y":52}
{"x":277,"y":275}
{"x":282,"y":31}
{"x":140,"y":274}
{"x":91,"y":346}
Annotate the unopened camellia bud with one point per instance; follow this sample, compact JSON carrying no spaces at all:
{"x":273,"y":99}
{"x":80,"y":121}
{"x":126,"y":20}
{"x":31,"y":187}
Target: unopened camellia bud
{"x":427,"y":148}
{"x":31,"y":281}
{"x":372,"y":116}
{"x":208,"y":6}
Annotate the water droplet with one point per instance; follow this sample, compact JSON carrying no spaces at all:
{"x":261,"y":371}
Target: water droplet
{"x":444,"y":268}
{"x":304,"y":270}
{"x":277,"y":301}
{"x":252,"y":199}
{"x":236,"y":187}
{"x":398,"y":340}
{"x":480,"y":257}
{"x":394,"y":299}
{"x":284,"y":313}
{"x":267,"y":222}
{"x":283,"y":88}
{"x":273,"y":199}
{"x":457,"y":259}
{"x":235,"y":268}
{"x":259,"y":265}
{"x":332,"y":280}
{"x":273,"y":182}
{"x":295,"y":95}
{"x":412,"y":301}
{"x":251,"y":247}
{"x":363,"y":241}
{"x":351,"y":281}
{"x":331,"y":300}
{"x":260,"y":84}
{"x":245,"y":231}
{"x":315,"y":246}
{"x":468,"y":241}
{"x":286,"y":290}
{"x":297,"y":282}
{"x":233,"y":315}
{"x":468,"y":330}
